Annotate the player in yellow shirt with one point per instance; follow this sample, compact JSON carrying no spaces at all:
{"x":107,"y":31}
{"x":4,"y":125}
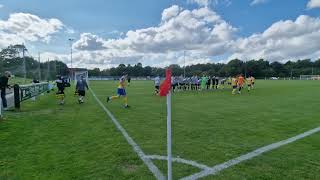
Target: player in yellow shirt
{"x":249,"y":83}
{"x":121,"y":91}
{"x":234,"y":84}
{"x":253,"y":79}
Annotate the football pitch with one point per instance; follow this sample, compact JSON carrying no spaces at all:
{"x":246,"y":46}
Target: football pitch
{"x":48,"y":141}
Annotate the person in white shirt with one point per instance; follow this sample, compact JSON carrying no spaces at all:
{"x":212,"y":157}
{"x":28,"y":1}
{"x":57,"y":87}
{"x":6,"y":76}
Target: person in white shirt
{"x":157,"y":85}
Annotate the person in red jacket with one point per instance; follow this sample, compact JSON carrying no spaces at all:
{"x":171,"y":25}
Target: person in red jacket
{"x":241,"y":81}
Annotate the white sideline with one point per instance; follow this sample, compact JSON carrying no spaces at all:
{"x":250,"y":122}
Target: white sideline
{"x":216,"y":169}
{"x":156,"y":172}
{"x":179,"y":160}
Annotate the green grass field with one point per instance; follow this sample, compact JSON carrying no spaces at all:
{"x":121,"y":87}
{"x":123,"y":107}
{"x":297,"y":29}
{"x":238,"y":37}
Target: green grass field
{"x":47,"y":141}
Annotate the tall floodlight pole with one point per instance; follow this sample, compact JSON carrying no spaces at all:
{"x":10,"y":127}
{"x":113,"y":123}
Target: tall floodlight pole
{"x":59,"y":69}
{"x":48,"y":70}
{"x":55,"y":67}
{"x":245,"y":68}
{"x":184,"y":62}
{"x":24,"y":63}
{"x":71,"y":41}
{"x":39,"y":67}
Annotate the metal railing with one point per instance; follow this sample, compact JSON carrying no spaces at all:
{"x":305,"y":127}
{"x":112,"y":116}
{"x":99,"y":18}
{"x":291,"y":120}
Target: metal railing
{"x":25,"y":92}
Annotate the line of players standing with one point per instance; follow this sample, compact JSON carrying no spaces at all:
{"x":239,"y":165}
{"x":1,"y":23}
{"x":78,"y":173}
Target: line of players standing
{"x":194,"y":83}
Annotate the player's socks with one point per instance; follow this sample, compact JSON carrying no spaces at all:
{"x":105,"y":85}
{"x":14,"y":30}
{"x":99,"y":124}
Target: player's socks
{"x":114,"y":97}
{"x":81,"y":99}
{"x":234,"y":91}
{"x":126,"y":101}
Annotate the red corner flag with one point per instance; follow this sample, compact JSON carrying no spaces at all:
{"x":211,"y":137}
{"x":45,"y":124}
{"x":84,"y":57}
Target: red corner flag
{"x":166,"y":84}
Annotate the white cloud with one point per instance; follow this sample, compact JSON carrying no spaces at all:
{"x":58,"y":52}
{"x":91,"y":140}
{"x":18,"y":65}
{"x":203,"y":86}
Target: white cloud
{"x":256,"y":2}
{"x":116,"y":33}
{"x":204,"y":35}
{"x":7,"y":39}
{"x":1,"y":6}
{"x":313,"y":4}
{"x":22,"y":27}
{"x":284,"y":40}
{"x":89,"y":42}
{"x":170,"y":13}
{"x":204,"y":3}
{"x":207,"y":3}
{"x":179,"y":30}
{"x":70,"y":30}
{"x":198,"y":31}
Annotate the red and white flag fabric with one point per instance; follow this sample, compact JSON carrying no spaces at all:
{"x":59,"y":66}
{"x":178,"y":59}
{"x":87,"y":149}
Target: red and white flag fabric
{"x":166,"y":84}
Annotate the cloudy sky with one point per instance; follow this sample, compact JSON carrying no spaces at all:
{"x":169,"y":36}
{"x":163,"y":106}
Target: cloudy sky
{"x":162,"y":32}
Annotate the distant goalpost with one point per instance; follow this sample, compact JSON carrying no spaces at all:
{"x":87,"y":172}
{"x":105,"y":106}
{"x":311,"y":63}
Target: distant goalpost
{"x":78,"y":74}
{"x":309,"y":77}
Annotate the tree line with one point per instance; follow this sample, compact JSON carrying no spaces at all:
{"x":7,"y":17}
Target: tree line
{"x":12,"y":59}
{"x":257,"y":68}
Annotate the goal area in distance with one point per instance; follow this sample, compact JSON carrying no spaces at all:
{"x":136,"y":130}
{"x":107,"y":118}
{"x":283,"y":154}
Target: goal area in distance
{"x":309,"y":77}
{"x":78,"y":74}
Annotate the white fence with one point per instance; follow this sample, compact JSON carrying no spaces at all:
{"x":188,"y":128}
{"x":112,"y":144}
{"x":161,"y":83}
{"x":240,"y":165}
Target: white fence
{"x":310,"y":77}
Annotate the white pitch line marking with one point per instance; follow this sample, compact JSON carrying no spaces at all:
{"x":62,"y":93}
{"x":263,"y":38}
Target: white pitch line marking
{"x":216,"y":169}
{"x":180,"y":160}
{"x":156,"y":172}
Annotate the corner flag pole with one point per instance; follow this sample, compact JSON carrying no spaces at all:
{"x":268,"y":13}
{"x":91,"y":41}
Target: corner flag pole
{"x":169,"y":147}
{"x":165,"y":90}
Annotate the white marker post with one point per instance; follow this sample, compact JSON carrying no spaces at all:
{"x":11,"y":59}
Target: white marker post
{"x":169,"y":149}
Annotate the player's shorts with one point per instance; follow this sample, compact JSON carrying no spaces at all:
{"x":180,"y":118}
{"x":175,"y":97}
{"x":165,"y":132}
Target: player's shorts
{"x":249,"y":85}
{"x":60,"y":95}
{"x":82,"y":93}
{"x":121,"y":92}
{"x":234,"y":87}
{"x":157,"y":87}
{"x":60,"y":92}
